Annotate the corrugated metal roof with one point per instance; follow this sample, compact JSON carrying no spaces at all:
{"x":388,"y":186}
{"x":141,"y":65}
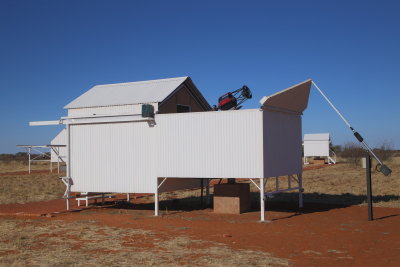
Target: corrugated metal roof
{"x":294,"y":98}
{"x":317,"y":137}
{"x":127,"y":93}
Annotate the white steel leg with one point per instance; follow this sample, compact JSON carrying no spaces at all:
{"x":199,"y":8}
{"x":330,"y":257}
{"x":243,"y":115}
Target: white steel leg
{"x":67,"y":195}
{"x":68,"y":174}
{"x":58,"y":160}
{"x":156,"y":200}
{"x":262,"y":200}
{"x":29,"y":160}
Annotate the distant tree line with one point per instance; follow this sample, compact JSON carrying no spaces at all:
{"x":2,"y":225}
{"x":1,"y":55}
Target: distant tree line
{"x":353,"y":152}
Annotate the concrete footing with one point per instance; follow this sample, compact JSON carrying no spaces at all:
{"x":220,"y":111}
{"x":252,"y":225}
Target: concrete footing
{"x":231,"y":198}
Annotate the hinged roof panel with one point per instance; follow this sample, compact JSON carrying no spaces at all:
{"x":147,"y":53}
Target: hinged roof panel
{"x":152,"y":91}
{"x":294,"y":98}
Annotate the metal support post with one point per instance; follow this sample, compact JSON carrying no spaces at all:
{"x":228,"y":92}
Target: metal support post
{"x":29,"y":159}
{"x":208,"y":197}
{"x":369,"y":187}
{"x":300,"y":176}
{"x":201,"y":192}
{"x":156,"y":200}
{"x":68,"y":174}
{"x":58,"y":160}
{"x":262,"y":200}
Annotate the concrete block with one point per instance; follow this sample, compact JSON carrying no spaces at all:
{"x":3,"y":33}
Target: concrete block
{"x":231,"y":198}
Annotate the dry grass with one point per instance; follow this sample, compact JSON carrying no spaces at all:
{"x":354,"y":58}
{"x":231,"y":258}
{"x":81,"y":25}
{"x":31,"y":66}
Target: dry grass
{"x":345,"y":184}
{"x":18,"y":165}
{"x":28,"y":188}
{"x":339,"y":184}
{"x":84,"y":243}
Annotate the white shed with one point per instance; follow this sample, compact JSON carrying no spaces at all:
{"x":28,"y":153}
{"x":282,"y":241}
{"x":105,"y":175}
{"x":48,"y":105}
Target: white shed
{"x":58,"y":146}
{"x":318,"y":145}
{"x":118,"y":150}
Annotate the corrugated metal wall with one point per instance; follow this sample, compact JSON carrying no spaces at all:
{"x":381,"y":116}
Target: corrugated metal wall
{"x":113,"y":157}
{"x":316,"y":148}
{"x":109,"y":110}
{"x":224,"y":144}
{"x":128,"y":157}
{"x":282,"y":144}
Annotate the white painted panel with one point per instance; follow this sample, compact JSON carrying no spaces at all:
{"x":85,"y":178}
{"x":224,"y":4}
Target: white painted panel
{"x":60,"y":139}
{"x":316,"y":148}
{"x":108,"y":110}
{"x":224,"y":144}
{"x":282,"y":144}
{"x":113,"y":157}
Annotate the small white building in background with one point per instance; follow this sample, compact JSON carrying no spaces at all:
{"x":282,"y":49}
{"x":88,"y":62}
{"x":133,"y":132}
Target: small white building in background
{"x":111,"y":147}
{"x":318,"y":145}
{"x":58,"y":143}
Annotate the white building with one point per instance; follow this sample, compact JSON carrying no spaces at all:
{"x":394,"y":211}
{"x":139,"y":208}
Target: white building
{"x":318,"y":145}
{"x":57,"y":144}
{"x":112,"y":148}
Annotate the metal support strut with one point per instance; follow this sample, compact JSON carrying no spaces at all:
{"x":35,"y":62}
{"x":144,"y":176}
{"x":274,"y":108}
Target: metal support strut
{"x":382,"y":167}
{"x":262,"y":200}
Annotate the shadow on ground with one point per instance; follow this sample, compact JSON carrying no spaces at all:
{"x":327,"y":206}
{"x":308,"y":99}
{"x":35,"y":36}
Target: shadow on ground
{"x":284,"y":202}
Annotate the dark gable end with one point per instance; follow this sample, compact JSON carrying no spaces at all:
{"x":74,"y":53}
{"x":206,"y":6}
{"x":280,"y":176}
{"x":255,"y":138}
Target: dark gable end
{"x":185,"y":94}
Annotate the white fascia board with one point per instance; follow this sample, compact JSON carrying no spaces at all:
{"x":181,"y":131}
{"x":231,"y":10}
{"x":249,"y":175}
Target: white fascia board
{"x":41,"y":123}
{"x":93,"y":119}
{"x":133,"y":118}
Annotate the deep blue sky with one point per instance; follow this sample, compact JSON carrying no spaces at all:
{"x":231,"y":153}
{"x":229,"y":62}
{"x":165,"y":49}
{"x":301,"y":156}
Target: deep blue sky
{"x":53,"y":51}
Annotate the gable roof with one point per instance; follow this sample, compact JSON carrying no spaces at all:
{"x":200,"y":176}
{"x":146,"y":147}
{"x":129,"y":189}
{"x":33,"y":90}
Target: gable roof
{"x":152,"y":91}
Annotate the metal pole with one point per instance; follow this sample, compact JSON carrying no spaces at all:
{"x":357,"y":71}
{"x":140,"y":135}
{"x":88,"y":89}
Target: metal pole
{"x":58,"y":160}
{"x":384,"y":169}
{"x":262,"y":200}
{"x":68,"y":162}
{"x":369,"y":187}
{"x":208,"y":192}
{"x":201,"y":192}
{"x":156,"y":200}
{"x":331,"y":104}
{"x":300,"y":176}
{"x":29,"y":160}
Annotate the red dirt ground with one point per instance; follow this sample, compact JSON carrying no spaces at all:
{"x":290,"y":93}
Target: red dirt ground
{"x":320,"y":235}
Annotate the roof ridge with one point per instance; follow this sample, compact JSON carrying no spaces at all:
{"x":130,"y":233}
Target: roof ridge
{"x":142,"y":82}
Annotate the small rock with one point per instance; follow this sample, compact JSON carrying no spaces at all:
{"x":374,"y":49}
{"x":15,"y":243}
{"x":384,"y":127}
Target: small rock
{"x":226,"y":235}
